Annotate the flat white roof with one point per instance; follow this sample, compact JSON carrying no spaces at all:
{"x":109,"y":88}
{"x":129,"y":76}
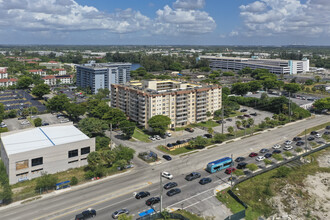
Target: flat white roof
{"x":42,"y":137}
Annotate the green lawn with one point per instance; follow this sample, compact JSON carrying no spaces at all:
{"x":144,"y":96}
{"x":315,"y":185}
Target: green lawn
{"x":208,"y":124}
{"x":181,"y":150}
{"x":236,"y":113}
{"x":138,"y":134}
{"x":319,"y":127}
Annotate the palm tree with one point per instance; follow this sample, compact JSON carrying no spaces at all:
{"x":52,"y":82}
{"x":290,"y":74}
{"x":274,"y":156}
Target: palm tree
{"x":238,"y":124}
{"x":250,"y":122}
{"x":244,"y":123}
{"x":230,"y":130}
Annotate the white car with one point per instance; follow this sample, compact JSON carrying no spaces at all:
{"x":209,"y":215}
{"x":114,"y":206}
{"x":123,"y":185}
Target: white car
{"x":288,"y":147}
{"x":65,"y":120}
{"x":152,"y":138}
{"x":318,"y":136}
{"x":167,"y":175}
{"x":157,"y":137}
{"x":277,"y":146}
{"x":168,"y":134}
{"x":25,"y":122}
{"x":260,"y":158}
{"x":288,"y":142}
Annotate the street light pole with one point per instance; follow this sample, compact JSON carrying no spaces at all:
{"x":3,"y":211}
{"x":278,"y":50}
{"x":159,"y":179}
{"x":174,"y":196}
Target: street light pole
{"x":222,"y":116}
{"x":231,"y":173}
{"x":161,"y":192}
{"x":306,"y":144}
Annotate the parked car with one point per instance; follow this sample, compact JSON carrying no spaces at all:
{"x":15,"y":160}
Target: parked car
{"x":253,"y":154}
{"x":268,"y":155}
{"x":157,"y":137}
{"x":327,"y":127}
{"x":318,"y":136}
{"x":167,"y":157}
{"x":167,"y":175}
{"x":230,"y":170}
{"x":45,"y":123}
{"x":241,"y":165}
{"x":314,"y":132}
{"x":168,"y":134}
{"x":300,"y":143}
{"x":277,"y":146}
{"x":247,"y":116}
{"x":288,"y":147}
{"x":276,"y":151}
{"x":239,"y":159}
{"x":142,"y":194}
{"x":21,"y":118}
{"x":296,"y":138}
{"x":264,"y":150}
{"x":221,"y":122}
{"x":192,"y":176}
{"x":229,"y":119}
{"x":260,"y":158}
{"x":152,"y":138}
{"x":170,"y":185}
{"x":243,"y":110}
{"x":189,"y":129}
{"x":288,"y":142}
{"x":116,"y":214}
{"x":205,"y":180}
{"x":169,"y":145}
{"x":208,"y":135}
{"x":173,"y":192}
{"x":310,"y":138}
{"x":152,"y":200}
{"x":89,"y":213}
{"x":326,"y":133}
{"x":254,"y":114}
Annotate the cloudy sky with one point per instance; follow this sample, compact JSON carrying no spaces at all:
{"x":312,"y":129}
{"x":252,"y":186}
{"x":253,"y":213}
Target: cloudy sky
{"x":135,"y":22}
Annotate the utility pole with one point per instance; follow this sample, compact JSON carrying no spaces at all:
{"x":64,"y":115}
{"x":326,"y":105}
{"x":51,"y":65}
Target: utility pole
{"x":306,"y":144}
{"x":161,"y":192}
{"x":289,"y":107}
{"x":231,"y":173}
{"x":222,"y":116}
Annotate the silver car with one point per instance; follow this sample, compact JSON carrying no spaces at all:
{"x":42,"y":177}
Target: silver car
{"x":117,"y":213}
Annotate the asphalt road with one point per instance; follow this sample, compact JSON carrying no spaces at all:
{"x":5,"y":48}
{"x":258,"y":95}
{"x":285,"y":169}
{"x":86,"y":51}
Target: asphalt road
{"x":117,"y":192}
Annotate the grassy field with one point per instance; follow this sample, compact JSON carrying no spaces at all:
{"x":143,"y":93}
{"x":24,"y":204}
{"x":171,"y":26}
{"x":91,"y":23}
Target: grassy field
{"x":257,"y":191}
{"x":319,"y":127}
{"x":208,"y":124}
{"x":181,"y":150}
{"x":138,"y":134}
{"x":189,"y":215}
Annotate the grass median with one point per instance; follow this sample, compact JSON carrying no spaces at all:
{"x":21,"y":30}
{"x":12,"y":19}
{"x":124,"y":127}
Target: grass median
{"x":177,"y":151}
{"x":316,"y":128}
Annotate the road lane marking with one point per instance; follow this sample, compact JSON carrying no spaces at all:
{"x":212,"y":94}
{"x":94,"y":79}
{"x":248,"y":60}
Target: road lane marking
{"x":197,"y":202}
{"x":191,"y":197}
{"x":114,"y":204}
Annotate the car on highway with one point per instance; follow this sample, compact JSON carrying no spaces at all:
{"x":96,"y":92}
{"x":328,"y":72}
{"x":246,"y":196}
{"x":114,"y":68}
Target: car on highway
{"x":205,"y":180}
{"x":167,"y":157}
{"x":276,"y":151}
{"x":317,"y":136}
{"x":314,"y":132}
{"x":264,"y":150}
{"x":288,"y":142}
{"x":268,"y":155}
{"x":230,"y":170}
{"x":300,"y":143}
{"x":89,"y":213}
{"x":241,"y":165}
{"x":170,"y":185}
{"x":142,"y":194}
{"x":239,"y":159}
{"x":119,"y":212}
{"x":277,"y":146}
{"x":260,"y":158}
{"x":296,"y":139}
{"x":152,"y":201}
{"x":192,"y":176}
{"x":310,"y":138}
{"x":253,"y":154}
{"x":167,"y":175}
{"x":189,"y":130}
{"x":173,"y":192}
{"x":288,"y":147}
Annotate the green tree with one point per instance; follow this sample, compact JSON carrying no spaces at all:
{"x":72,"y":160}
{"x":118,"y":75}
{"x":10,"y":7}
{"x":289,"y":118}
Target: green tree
{"x":24,"y":82}
{"x":210,"y":130}
{"x":74,"y":181}
{"x":109,"y":157}
{"x":102,"y":143}
{"x":208,"y":114}
{"x":230,"y":129}
{"x":240,"y":88}
{"x":219,"y":138}
{"x":127,"y":128}
{"x":254,"y":86}
{"x":37,"y":122}
{"x":102,"y":93}
{"x":75,"y":110}
{"x":269,"y":84}
{"x":46,"y":181}
{"x":12,"y":113}
{"x":159,"y":123}
{"x":94,"y":159}
{"x":25,"y":112}
{"x":57,"y":103}
{"x":309,"y":82}
{"x":114,"y":116}
{"x":176,"y":66}
{"x":238,"y":124}
{"x":199,"y":142}
{"x":100,"y":110}
{"x":93,"y":127}
{"x":322,"y":104}
{"x":124,"y":153}
{"x":41,"y":90}
{"x":245,"y":71}
{"x":250,"y":121}
{"x":252,"y":167}
{"x":292,"y":87}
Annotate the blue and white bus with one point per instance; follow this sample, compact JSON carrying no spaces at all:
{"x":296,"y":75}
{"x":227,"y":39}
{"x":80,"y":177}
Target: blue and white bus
{"x":220,"y":164}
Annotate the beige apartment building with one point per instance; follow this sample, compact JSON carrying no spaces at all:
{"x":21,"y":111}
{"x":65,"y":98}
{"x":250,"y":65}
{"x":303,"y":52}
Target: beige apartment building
{"x":183,"y":102}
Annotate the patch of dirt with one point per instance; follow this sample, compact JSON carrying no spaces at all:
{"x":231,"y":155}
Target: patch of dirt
{"x":324,"y":160}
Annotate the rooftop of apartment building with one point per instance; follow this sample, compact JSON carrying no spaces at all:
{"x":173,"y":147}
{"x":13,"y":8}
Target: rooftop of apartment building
{"x":246,"y":59}
{"x":94,"y":65}
{"x":165,"y":86}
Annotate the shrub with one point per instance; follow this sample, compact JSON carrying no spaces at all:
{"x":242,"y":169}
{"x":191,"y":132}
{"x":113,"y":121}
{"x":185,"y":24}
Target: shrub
{"x":46,"y":181}
{"x":282,"y":172}
{"x":37,"y":122}
{"x":277,"y":156}
{"x":267,"y":162}
{"x":298,"y":149}
{"x":74,"y":181}
{"x":288,"y":154}
{"x":89,"y":174}
{"x":239,"y":172}
{"x":252,"y":167}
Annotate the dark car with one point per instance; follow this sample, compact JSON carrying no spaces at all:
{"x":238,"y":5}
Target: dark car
{"x":327,"y":127}
{"x":221,"y":122}
{"x":208,"y":135}
{"x":173,"y":192}
{"x":189,"y":129}
{"x":243,"y":110}
{"x":192,"y":176}
{"x":296,"y":138}
{"x":264,"y":150}
{"x":253,"y":154}
{"x":169,"y":145}
{"x":254,"y":114}
{"x":241,"y":165}
{"x":247,"y":116}
{"x":239,"y":159}
{"x":21,"y":118}
{"x":229,"y":119}
{"x":142,"y":194}
{"x":116,"y":214}
{"x":45,"y":124}
{"x":152,"y":200}
{"x":310,"y":138}
{"x":167,"y":157}
{"x":170,"y":185}
{"x":268,"y":155}
{"x":276,"y":151}
{"x":89,"y":213}
{"x":300,"y":143}
{"x":314,"y":132}
{"x":205,"y":180}
{"x":326,"y":133}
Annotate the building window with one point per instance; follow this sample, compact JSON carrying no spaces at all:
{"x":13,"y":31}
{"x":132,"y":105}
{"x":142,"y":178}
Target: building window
{"x":73,"y":153}
{"x":22,"y":174}
{"x":22,"y":164}
{"x":85,"y":150}
{"x":37,"y":161}
{"x":37,"y":170}
{"x":73,"y":161}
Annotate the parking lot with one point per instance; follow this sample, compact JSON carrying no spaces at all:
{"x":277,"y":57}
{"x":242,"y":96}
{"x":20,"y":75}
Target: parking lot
{"x":19,"y":99}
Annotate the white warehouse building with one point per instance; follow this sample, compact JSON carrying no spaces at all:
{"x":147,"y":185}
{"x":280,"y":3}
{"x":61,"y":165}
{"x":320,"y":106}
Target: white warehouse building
{"x":27,"y":154}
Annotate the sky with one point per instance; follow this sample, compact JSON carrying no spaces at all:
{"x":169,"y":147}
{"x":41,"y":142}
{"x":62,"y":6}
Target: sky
{"x":165,"y":22}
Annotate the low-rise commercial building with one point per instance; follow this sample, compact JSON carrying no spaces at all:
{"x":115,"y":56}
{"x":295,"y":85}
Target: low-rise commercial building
{"x":51,"y":149}
{"x":51,"y":65}
{"x":53,"y":80}
{"x":183,"y":102}
{"x":276,"y":66}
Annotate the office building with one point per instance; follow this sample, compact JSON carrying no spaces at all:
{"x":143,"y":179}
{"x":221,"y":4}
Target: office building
{"x":102,"y":75}
{"x":183,"y":102}
{"x":276,"y":66}
{"x":51,"y":149}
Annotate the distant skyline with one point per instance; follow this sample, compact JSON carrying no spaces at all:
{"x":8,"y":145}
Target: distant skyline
{"x":165,"y":22}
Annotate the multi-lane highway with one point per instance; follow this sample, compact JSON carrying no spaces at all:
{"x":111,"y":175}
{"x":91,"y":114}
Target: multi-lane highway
{"x":117,"y":192}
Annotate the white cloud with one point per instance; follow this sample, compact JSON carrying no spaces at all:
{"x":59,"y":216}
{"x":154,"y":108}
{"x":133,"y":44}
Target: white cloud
{"x":189,"y":4}
{"x":286,"y":17}
{"x":233,"y":33}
